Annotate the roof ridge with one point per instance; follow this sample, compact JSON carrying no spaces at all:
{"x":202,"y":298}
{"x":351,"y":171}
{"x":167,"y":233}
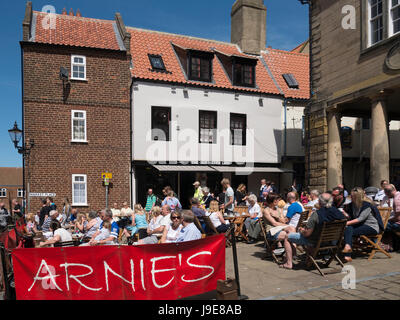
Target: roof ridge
{"x":181,"y":35}
{"x":284,"y":51}
{"x":66,"y":16}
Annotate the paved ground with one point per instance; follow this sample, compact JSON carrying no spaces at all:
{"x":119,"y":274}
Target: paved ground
{"x":262,"y":279}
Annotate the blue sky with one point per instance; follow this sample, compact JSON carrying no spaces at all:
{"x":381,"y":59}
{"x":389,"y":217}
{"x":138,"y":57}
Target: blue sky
{"x":287,"y":26}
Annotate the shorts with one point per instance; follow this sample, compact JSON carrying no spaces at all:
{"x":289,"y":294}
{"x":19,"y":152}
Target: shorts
{"x":150,"y":240}
{"x":275,"y":237}
{"x":299,"y":239}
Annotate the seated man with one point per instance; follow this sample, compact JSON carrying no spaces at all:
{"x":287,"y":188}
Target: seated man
{"x":393,"y":197}
{"x":189,"y":231}
{"x":198,"y":212}
{"x":314,"y":199}
{"x":309,"y":235}
{"x":294,"y":211}
{"x":60,"y":234}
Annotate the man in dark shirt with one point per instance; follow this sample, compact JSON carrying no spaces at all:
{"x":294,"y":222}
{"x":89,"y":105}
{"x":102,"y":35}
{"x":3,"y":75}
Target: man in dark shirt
{"x":338,"y":198}
{"x":4,"y":216}
{"x":16,"y":211}
{"x":207,"y":197}
{"x":198,"y":212}
{"x":51,"y":204}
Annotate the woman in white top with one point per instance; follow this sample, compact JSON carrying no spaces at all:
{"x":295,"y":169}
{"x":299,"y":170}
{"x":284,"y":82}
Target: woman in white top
{"x":171,"y":232}
{"x":59,"y":234}
{"x":216,"y":217}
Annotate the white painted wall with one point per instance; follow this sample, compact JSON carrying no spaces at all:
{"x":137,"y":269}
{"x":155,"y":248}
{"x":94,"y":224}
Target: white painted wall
{"x":294,"y":125}
{"x":266,"y":123}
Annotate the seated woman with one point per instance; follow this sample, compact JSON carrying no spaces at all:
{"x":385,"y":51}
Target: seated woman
{"x":81,"y":223}
{"x":277,"y":229}
{"x":252,"y":226}
{"x":59,"y":234}
{"x":139,"y":223}
{"x":154,"y":225}
{"x":31,"y":223}
{"x":171,"y":232}
{"x":92,"y":226}
{"x":216,"y":217}
{"x":362,"y":220}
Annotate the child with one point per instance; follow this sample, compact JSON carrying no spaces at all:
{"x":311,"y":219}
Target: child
{"x":80,"y":224}
{"x":31,"y":224}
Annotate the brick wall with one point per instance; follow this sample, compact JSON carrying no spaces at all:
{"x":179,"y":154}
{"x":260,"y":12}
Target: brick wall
{"x":105,"y":97}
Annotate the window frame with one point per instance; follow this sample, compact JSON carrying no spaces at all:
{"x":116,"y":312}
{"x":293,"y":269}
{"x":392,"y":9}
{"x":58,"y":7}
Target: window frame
{"x":156,"y":56}
{"x":168,"y":134}
{"x":75,"y":204}
{"x":20,"y":193}
{"x":215,"y":136}
{"x":372,"y":19}
{"x":391,"y":33}
{"x":72,"y":126}
{"x":73,"y":63}
{"x":3,"y":191}
{"x":244,"y":133}
{"x":243,"y":63}
{"x":202,"y":56}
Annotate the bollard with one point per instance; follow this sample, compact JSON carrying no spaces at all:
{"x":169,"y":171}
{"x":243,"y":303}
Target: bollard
{"x":227,"y":290}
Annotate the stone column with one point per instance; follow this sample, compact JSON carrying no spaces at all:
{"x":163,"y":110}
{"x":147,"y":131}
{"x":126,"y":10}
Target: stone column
{"x":380,"y":152}
{"x":335,"y":158}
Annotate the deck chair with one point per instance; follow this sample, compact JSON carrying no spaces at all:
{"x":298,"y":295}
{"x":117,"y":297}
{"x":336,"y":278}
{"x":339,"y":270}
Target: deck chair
{"x":198,"y":225}
{"x":332,"y":232}
{"x":270,"y":245}
{"x":371,"y":244}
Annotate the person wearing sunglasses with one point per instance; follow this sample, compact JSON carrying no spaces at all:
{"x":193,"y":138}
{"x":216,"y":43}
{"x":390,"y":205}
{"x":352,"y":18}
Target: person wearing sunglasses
{"x":171,"y":232}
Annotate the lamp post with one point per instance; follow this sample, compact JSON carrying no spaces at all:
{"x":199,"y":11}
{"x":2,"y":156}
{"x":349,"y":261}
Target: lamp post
{"x":16,"y":135}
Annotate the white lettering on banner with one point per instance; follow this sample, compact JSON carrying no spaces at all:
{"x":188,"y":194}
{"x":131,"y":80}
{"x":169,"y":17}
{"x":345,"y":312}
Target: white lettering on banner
{"x":154,"y":271}
{"x":79,"y":276}
{"x":141,"y":273}
{"x":198,"y":266}
{"x":132,"y":283}
{"x":50,"y":276}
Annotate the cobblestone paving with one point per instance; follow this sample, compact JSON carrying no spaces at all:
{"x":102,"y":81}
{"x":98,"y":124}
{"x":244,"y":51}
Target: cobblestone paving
{"x":261,"y":279}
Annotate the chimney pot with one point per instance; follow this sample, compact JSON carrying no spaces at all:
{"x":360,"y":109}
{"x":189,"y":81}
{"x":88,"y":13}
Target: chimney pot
{"x":78,"y":13}
{"x":71,"y":12}
{"x":64,"y":12}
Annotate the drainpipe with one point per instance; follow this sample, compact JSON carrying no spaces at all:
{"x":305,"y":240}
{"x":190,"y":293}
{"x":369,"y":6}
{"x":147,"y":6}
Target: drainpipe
{"x":285,"y":130}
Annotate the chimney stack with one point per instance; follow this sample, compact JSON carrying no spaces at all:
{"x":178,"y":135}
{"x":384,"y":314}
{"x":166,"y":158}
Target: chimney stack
{"x":249,"y":25}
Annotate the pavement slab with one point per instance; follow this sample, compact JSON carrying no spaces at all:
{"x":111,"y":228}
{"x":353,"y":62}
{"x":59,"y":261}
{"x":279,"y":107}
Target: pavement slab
{"x":261,"y":278}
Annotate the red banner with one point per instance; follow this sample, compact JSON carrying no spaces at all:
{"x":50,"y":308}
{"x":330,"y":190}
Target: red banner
{"x":150,"y":272}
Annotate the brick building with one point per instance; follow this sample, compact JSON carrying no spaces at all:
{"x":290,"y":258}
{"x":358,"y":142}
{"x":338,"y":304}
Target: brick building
{"x":355,"y":75}
{"x":80,"y":126}
{"x":11,"y":186}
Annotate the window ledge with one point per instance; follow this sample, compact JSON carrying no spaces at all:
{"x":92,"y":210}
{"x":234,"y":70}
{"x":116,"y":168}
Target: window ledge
{"x":380,"y":44}
{"x":79,"y":142}
{"x":79,"y":205}
{"x":80,"y":80}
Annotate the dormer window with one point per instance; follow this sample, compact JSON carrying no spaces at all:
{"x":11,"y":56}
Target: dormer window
{"x":157,"y":62}
{"x":200,"y":66}
{"x":291,"y":81}
{"x":244,"y":73}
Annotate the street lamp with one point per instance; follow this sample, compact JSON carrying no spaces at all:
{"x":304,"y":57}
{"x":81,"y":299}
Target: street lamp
{"x":16,"y":136}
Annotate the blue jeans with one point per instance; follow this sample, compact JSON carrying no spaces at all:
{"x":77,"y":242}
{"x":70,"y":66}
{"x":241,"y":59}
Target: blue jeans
{"x":298,"y":239}
{"x":355,"y":231}
{"x":393,"y":227}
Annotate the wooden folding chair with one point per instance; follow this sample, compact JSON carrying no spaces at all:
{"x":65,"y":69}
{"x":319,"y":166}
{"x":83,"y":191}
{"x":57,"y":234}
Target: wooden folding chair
{"x":332,"y":232}
{"x":242,"y":209}
{"x":373,"y":242}
{"x":210,"y":226}
{"x":239,"y":224}
{"x":303,"y":217}
{"x":270,"y":245}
